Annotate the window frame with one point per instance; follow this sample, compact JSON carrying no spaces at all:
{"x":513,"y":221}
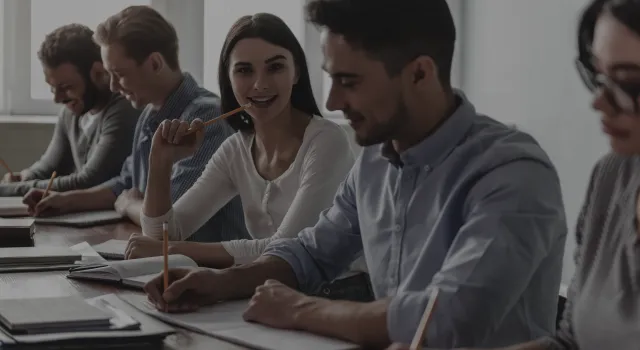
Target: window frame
{"x":15,"y":86}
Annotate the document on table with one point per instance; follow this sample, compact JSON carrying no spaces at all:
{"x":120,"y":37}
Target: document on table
{"x":224,"y":321}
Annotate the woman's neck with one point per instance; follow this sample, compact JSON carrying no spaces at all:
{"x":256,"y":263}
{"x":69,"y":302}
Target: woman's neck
{"x":277,"y":136}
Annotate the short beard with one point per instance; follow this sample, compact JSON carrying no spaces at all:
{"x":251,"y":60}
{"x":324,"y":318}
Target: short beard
{"x":385,"y":132}
{"x":93,"y":96}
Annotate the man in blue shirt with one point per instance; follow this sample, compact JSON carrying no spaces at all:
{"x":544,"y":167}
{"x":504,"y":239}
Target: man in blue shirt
{"x":441,"y":197}
{"x":140,"y":52}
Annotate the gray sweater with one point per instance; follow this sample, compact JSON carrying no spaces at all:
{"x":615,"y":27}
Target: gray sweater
{"x":603,"y":306}
{"x":82,"y":159}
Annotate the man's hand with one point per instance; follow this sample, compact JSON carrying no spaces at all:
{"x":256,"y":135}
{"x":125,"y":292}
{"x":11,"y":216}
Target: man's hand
{"x":11,"y":177}
{"x":189,"y":289}
{"x":276,"y":305}
{"x":127,"y":199}
{"x":140,"y":246}
{"x":54,"y":204}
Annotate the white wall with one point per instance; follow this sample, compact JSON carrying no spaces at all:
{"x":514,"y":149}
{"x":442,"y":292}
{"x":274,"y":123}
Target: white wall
{"x":518,"y":68}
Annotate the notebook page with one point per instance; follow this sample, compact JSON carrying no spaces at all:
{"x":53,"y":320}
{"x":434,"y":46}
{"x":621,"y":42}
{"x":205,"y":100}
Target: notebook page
{"x":150,"y":265}
{"x":224,"y":321}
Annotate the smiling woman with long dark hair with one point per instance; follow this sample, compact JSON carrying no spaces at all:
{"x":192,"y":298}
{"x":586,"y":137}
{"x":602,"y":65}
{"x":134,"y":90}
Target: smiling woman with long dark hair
{"x":285,"y":162}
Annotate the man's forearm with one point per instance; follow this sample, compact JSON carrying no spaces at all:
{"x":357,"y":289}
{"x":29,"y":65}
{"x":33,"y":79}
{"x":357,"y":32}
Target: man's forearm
{"x":360,"y":323}
{"x":157,"y":198}
{"x":244,"y":279}
{"x":95,"y":198}
{"x":205,"y":254}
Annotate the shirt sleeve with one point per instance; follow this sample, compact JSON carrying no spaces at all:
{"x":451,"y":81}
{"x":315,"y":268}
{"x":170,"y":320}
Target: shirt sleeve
{"x":124,"y":181}
{"x":564,"y":338}
{"x":318,"y":187}
{"x":323,"y":252}
{"x":107,"y":155}
{"x":513,"y":219}
{"x":58,"y":152}
{"x":213,"y":189}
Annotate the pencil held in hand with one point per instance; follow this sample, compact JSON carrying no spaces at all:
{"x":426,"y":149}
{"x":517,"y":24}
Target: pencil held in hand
{"x":224,"y":116}
{"x":46,"y":192}
{"x":6,"y":166}
{"x":165,"y":253}
{"x":418,"y":338}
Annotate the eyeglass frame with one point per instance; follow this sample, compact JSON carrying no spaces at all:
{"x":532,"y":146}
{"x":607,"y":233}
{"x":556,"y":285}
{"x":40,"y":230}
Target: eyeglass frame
{"x":613,"y":90}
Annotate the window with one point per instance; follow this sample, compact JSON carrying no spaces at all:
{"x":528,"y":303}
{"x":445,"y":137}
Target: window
{"x":24,"y":25}
{"x":87,"y":12}
{"x":221,"y":14}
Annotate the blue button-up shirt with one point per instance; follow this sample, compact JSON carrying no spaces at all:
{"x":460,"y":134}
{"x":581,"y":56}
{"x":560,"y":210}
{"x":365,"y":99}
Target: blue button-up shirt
{"x":188,"y":102}
{"x":475,"y":210}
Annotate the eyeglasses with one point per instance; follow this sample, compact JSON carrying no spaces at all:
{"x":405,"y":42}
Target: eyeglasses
{"x":622,"y":96}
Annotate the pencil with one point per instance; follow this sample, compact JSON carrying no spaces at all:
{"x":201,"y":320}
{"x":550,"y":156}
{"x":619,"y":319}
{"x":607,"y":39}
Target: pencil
{"x":224,"y":116}
{"x":6,"y":166}
{"x":418,"y":338}
{"x":46,"y":192}
{"x":165,"y":254}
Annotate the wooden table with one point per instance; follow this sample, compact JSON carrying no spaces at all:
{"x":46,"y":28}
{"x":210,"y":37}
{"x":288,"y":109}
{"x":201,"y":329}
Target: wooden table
{"x":54,"y":283}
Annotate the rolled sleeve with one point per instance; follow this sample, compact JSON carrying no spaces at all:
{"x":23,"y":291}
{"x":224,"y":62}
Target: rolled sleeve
{"x":514,"y":220}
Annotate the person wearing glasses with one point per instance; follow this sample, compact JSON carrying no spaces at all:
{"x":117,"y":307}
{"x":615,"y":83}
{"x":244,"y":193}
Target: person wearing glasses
{"x":603,"y":305}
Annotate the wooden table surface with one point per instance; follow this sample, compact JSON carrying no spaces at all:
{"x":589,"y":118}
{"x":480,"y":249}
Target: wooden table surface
{"x":54,"y":283}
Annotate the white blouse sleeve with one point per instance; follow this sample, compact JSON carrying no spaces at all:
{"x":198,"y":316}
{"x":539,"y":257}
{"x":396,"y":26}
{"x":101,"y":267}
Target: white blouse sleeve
{"x":326,"y":164}
{"x":213,"y":189}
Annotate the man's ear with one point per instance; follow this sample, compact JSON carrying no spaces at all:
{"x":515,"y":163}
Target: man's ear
{"x":157,"y":62}
{"x":423,"y":69}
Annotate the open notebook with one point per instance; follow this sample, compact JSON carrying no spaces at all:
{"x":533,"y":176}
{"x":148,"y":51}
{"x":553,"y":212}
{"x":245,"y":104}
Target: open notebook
{"x":82,"y":219}
{"x":12,"y":207}
{"x":133,"y":273}
{"x":224,"y":321}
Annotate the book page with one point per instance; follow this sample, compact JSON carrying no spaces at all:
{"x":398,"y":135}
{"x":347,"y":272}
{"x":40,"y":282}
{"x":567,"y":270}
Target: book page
{"x":150,"y":265}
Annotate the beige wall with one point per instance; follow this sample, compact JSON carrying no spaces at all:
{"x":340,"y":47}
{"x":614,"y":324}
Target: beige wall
{"x":22,"y":144}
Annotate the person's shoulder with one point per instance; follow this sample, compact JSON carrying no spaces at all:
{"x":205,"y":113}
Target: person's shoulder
{"x":120,"y":108}
{"x":494,"y":144}
{"x":325,"y":131}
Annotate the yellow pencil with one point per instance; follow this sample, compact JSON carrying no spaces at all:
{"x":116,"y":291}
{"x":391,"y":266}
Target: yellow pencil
{"x":165,"y":254}
{"x":224,"y":116}
{"x":46,"y":192}
{"x":6,"y":166}
{"x":418,"y":338}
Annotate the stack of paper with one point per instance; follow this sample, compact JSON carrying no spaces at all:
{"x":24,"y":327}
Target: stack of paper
{"x":82,"y":219}
{"x":37,"y":256}
{"x":112,"y":249}
{"x":64,"y":314}
{"x":127,"y":328}
{"x":12,"y":207}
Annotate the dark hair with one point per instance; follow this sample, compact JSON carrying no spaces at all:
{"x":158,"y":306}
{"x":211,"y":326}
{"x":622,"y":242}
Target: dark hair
{"x":72,"y":44}
{"x":272,"y":29}
{"x":141,"y":31}
{"x":394,"y":32}
{"x":626,"y":12}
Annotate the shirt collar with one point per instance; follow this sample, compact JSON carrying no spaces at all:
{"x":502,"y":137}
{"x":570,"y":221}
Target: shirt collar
{"x":178,"y":100}
{"x":437,"y":146}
